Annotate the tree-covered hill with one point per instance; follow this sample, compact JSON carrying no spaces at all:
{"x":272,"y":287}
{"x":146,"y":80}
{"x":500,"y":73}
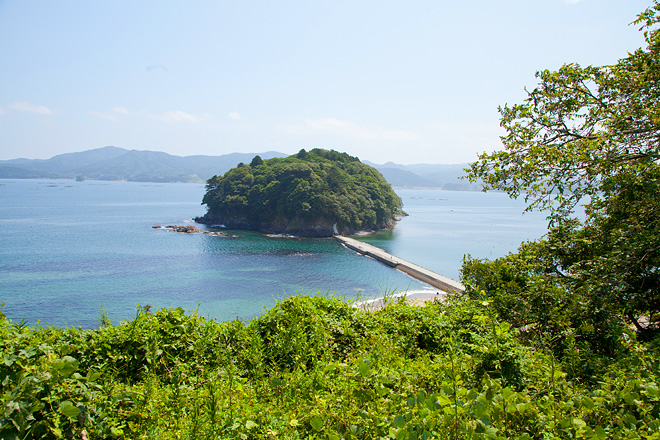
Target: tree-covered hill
{"x":307,"y":194}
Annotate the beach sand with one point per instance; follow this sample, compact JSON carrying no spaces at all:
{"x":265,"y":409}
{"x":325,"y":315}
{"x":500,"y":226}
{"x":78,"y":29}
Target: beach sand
{"x":413,"y":297}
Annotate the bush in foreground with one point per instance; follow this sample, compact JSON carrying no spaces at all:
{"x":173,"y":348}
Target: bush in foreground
{"x":316,"y":367}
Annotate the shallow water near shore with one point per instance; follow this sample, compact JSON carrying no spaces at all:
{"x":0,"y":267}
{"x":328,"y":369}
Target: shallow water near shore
{"x":444,"y":226}
{"x":70,"y":249}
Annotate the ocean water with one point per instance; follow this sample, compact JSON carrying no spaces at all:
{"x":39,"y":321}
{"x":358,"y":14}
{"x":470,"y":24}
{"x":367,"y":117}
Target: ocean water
{"x":445,"y":226}
{"x":71,"y":249}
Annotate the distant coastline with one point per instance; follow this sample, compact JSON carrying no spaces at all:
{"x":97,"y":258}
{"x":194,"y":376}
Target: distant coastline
{"x":119,"y":164}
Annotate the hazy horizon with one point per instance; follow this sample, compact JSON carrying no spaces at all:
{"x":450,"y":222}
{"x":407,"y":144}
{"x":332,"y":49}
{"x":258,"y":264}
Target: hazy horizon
{"x":222,"y":154}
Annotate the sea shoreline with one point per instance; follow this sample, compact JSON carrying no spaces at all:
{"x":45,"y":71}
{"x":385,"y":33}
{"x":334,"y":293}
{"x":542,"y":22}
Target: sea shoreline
{"x":413,"y":297}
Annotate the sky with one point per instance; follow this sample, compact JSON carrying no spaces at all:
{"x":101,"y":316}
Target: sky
{"x":415,"y":81}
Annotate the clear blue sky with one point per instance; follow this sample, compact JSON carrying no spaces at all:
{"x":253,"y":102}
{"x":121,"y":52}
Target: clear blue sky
{"x":404,"y":81}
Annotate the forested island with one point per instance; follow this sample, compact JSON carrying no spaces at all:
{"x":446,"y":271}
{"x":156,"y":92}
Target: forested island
{"x":310,"y":194}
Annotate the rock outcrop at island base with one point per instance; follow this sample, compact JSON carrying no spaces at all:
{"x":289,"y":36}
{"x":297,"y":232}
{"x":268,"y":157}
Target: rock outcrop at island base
{"x":190,"y":229}
{"x":297,"y":227}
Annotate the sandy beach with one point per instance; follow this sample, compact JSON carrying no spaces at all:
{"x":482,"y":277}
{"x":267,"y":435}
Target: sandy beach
{"x":413,"y":297}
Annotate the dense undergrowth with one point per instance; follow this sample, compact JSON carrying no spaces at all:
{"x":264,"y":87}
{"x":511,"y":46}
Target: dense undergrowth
{"x":316,"y":367}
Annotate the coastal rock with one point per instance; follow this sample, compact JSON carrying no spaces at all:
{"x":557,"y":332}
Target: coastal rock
{"x":319,"y":228}
{"x":190,"y":229}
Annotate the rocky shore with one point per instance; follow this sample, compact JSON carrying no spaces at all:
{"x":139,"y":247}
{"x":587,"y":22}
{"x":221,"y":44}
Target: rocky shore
{"x":319,"y":228}
{"x":190,"y":229}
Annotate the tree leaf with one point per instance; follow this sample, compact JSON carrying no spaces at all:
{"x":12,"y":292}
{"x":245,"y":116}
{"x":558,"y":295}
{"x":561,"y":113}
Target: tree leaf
{"x":69,"y":409}
{"x":316,"y":422}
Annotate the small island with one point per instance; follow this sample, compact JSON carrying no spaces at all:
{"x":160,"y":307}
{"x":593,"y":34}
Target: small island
{"x":310,"y":194}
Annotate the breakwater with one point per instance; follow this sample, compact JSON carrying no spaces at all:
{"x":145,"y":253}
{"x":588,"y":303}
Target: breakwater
{"x":418,"y":272}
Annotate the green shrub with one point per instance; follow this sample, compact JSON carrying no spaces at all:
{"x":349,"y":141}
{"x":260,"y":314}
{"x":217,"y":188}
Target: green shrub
{"x":315,"y":367}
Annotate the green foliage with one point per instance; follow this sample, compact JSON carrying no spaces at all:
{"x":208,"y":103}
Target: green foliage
{"x":580,"y":127}
{"x":306,"y":193}
{"x":303,"y":332}
{"x":525,"y":292}
{"x":316,"y":367}
{"x":615,"y":255}
{"x":256,"y":161}
{"x":590,"y":135}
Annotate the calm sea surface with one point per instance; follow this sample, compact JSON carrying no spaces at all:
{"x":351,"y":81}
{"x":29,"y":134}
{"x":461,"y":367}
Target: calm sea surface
{"x":69,"y":249}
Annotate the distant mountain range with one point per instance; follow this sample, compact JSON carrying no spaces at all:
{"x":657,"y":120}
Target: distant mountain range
{"x":425,"y":175}
{"x":114,"y":163}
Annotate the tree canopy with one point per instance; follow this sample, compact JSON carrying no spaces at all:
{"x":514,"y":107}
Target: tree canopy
{"x":581,"y":127}
{"x":589,"y":137}
{"x":304,"y":194}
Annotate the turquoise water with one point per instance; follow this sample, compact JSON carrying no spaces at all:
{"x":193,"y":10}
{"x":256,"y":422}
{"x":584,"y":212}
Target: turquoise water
{"x":444,"y":226}
{"x":69,"y":249}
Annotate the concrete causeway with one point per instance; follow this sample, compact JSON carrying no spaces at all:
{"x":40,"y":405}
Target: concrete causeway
{"x":418,"y":272}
